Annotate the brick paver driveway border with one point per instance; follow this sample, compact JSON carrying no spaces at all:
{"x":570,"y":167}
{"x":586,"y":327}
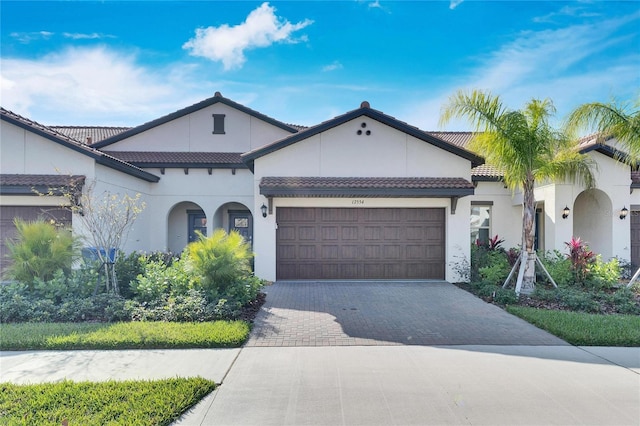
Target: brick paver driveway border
{"x":337,"y":313}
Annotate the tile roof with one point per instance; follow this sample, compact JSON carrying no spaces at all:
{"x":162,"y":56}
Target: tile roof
{"x":28,"y":184}
{"x":460,"y":139}
{"x":364,"y":186}
{"x":89,"y":134}
{"x":179,"y":159}
{"x":37,"y":180}
{"x":62,"y":139}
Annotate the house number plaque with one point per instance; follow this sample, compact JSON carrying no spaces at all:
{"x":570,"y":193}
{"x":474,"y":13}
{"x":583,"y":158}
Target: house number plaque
{"x":357,"y":202}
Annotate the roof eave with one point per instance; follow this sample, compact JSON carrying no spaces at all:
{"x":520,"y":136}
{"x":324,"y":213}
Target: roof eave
{"x":366,"y":192}
{"x":127,"y":168}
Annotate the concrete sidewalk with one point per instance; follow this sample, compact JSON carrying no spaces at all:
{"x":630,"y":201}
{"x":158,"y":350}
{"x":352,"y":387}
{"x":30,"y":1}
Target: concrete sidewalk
{"x":373,"y":385}
{"x":418,"y":385}
{"x":95,"y":366}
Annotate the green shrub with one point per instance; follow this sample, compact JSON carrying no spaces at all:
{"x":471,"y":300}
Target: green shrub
{"x":160,"y":280}
{"x":19,"y":304}
{"x":219,"y":262}
{"x":497,"y":268}
{"x":559,"y":268}
{"x":39,"y":250}
{"x":603,"y":274}
{"x":505,"y":297}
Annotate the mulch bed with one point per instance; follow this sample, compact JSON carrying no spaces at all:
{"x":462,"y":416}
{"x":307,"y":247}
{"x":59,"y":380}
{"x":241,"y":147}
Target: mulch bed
{"x":251,"y":309}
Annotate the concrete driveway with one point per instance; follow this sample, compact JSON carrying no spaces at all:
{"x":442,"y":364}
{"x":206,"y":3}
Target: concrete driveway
{"x":376,"y":313}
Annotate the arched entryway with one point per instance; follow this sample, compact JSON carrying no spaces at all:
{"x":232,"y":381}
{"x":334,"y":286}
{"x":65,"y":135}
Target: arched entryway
{"x":184,"y":222}
{"x":592,"y":221}
{"x":237,"y":217}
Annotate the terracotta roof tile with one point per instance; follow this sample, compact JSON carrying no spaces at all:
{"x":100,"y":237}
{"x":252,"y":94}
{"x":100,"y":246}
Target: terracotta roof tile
{"x":166,"y":159}
{"x":36,"y":180}
{"x":364,"y":186}
{"x":367,"y":182}
{"x":460,"y":139}
{"x":89,"y":134}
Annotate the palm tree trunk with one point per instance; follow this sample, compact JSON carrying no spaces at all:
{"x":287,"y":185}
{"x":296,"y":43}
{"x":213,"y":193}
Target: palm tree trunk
{"x":528,"y":235}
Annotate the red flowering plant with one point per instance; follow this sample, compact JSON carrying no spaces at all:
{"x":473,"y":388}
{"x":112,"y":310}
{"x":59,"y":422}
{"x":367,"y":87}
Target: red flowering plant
{"x":581,"y":258}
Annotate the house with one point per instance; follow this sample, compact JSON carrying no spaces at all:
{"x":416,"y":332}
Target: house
{"x":360,"y":196}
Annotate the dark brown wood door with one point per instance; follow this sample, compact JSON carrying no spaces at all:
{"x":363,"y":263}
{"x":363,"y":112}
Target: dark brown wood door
{"x":344,"y":243}
{"x":635,"y":239}
{"x":30,"y":213}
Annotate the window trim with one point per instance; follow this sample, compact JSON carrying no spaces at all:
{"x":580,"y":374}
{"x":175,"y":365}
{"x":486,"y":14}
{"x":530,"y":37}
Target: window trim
{"x":489,"y":205}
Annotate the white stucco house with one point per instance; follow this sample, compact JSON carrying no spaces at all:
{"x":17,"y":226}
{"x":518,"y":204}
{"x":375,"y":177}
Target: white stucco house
{"x":360,"y":196}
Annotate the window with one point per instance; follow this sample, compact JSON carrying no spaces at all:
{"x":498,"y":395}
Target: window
{"x":480,"y":222}
{"x":218,"y":124}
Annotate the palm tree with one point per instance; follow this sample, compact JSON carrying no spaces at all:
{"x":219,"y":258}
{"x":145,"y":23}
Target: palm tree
{"x":524,"y":146}
{"x":612,"y":120}
{"x":617,"y":120}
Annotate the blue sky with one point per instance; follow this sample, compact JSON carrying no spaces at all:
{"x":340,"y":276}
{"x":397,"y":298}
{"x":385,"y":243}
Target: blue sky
{"x":125,"y":63}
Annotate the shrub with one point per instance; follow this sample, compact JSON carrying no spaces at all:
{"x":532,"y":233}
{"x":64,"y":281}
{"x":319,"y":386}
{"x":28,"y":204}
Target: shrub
{"x":40,"y":249}
{"x":220,"y":262}
{"x":497,"y":268}
{"x":603,"y":274}
{"x":128,"y":267}
{"x":581,"y":258}
{"x":559,"y":267}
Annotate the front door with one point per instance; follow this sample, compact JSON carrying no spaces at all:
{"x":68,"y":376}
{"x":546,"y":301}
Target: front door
{"x":197,"y":223}
{"x":242,"y":221}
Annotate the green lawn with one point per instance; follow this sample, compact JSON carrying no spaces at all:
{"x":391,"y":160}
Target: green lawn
{"x":129,"y":335}
{"x":107,"y":403}
{"x":584,"y":329}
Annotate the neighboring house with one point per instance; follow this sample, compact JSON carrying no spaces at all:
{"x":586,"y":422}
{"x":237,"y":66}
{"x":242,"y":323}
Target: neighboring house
{"x":360,"y":196}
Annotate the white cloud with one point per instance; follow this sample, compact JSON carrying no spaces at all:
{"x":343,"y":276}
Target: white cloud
{"x":228,"y":44}
{"x":91,"y":36}
{"x":375,"y":5}
{"x":85,"y":85}
{"x":28,"y":37}
{"x":454,"y":3}
{"x":335,"y":65}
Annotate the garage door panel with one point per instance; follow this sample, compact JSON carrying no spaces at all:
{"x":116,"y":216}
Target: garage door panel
{"x":372,"y":233}
{"x":392,"y":233}
{"x":350,"y":252}
{"x":385,"y":243}
{"x":331,"y":252}
{"x":349,"y":233}
{"x":329,"y":233}
{"x":372,"y":252}
{"x":349,"y":271}
{"x":287,"y":233}
{"x":307,"y":233}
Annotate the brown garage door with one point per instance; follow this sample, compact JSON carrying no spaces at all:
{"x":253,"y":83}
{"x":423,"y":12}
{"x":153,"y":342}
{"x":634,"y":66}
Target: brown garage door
{"x":8,"y":229}
{"x":343,"y":243}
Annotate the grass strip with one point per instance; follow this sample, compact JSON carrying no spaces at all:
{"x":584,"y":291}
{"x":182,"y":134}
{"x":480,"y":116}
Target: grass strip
{"x":584,"y":329}
{"x":125,"y":335}
{"x":157,"y":402}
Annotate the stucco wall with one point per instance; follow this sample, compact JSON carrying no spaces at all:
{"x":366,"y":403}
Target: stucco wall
{"x":194,"y":133}
{"x":506,"y":218}
{"x":25,"y":152}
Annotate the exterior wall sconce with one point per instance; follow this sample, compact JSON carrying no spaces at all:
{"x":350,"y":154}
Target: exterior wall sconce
{"x":623,"y":213}
{"x":263,"y":209}
{"x":565,"y":212}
